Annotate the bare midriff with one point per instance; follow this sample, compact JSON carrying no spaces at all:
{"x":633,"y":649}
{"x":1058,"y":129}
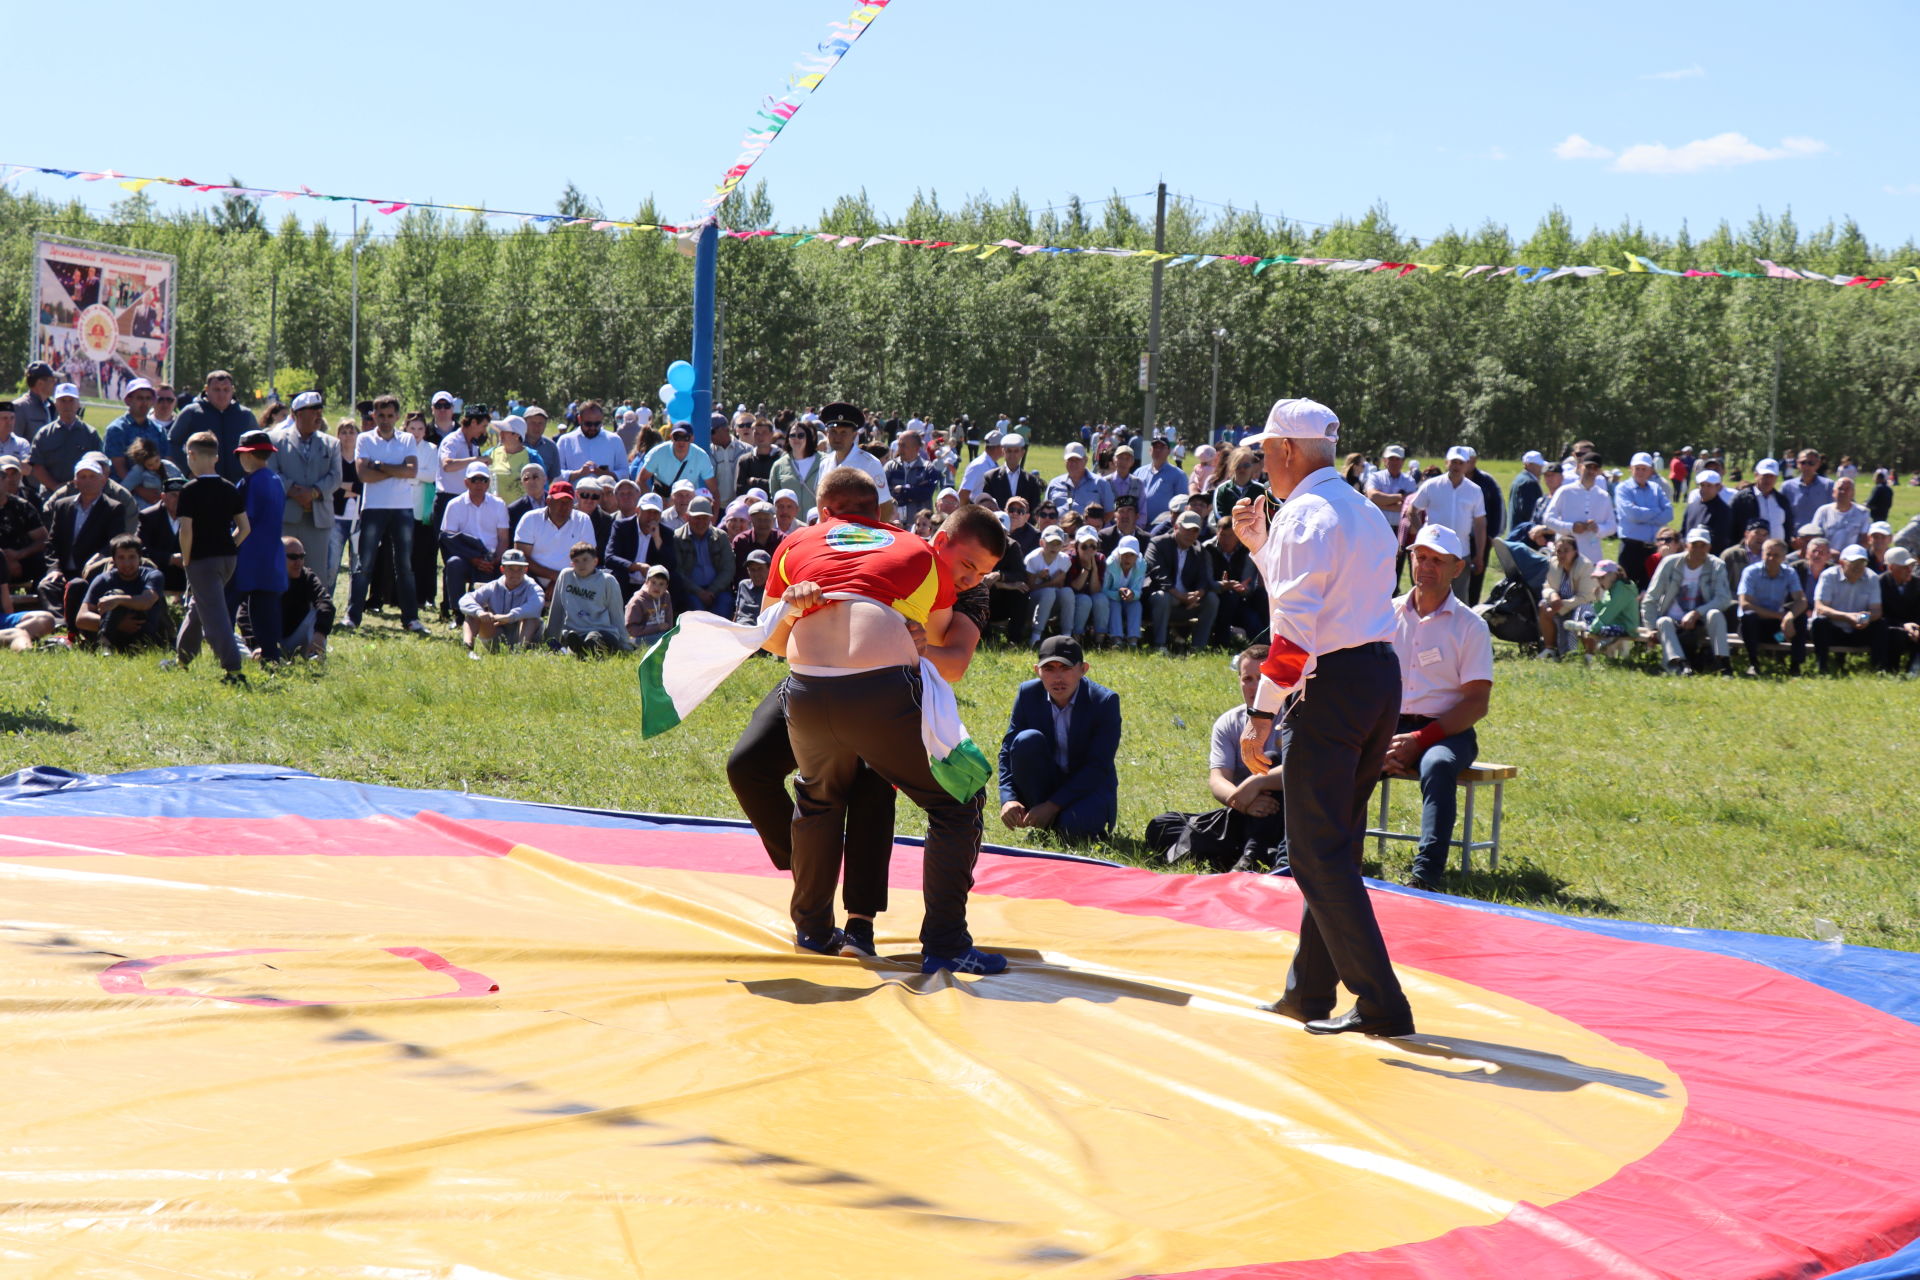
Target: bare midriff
{"x":854,"y":634}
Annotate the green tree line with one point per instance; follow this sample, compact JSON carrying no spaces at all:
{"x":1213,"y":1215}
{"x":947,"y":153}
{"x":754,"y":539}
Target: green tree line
{"x":1630,"y":362}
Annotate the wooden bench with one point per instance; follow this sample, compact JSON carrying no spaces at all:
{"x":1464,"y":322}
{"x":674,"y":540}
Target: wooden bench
{"x":1479,"y":774}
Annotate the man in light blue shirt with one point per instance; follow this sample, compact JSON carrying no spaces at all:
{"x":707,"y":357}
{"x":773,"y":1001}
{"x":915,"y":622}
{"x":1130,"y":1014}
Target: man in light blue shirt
{"x":1642,"y":507}
{"x":1809,"y":491}
{"x":674,"y":459}
{"x":592,"y":450}
{"x":1771,"y":602}
{"x":1079,"y":486}
{"x":1159,"y":481}
{"x":1847,"y":608}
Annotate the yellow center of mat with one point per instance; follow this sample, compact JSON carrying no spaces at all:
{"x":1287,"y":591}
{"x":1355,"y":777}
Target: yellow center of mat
{"x":660,"y":1087}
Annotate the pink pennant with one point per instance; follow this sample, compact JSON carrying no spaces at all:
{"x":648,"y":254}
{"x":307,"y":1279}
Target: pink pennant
{"x":395,"y":207}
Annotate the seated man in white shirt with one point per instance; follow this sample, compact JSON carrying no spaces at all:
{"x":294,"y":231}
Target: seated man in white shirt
{"x":546,"y":536}
{"x":1446,"y":680}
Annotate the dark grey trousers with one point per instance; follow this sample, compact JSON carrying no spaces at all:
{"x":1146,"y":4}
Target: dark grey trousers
{"x":1334,"y":739}
{"x":834,"y":724}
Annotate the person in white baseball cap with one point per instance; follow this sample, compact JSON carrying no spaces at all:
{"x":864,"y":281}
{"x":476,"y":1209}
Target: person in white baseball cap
{"x":1900,"y":610}
{"x":1526,"y":492}
{"x":1763,"y":501}
{"x":1688,"y":602}
{"x":1709,"y":509}
{"x":1848,"y":609}
{"x":1454,"y":500}
{"x":134,"y":424}
{"x":1327,"y":560}
{"x":1642,"y":507}
{"x":1446,"y":674}
{"x":307,"y":460}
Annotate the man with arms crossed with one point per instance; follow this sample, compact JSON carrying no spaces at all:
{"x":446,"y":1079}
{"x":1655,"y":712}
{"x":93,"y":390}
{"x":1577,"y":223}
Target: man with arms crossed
{"x":1328,"y":564}
{"x":854,"y":696}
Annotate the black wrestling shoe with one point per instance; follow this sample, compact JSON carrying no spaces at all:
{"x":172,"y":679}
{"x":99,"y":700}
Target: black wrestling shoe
{"x":827,"y":946}
{"x":856,"y":940}
{"x":1354,"y":1021}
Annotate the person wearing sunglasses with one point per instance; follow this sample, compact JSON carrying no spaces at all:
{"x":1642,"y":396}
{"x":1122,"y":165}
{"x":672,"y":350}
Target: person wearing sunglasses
{"x":799,"y":472}
{"x":306,"y":607}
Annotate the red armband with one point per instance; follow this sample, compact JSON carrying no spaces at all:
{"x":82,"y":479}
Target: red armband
{"x":1285,"y":661}
{"x":1428,"y":734}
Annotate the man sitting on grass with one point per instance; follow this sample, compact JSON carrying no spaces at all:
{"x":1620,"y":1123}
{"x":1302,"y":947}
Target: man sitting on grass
{"x":125,"y":604}
{"x":506,"y":610}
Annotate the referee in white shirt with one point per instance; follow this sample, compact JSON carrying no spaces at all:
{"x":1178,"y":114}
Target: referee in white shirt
{"x":1446,"y":673}
{"x":1328,"y":564}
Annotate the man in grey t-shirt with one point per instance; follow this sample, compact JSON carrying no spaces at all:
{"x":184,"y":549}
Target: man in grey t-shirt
{"x":1249,"y":832}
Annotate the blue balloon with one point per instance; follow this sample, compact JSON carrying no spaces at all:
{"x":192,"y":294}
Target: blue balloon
{"x":680,"y":374}
{"x":680,"y":409}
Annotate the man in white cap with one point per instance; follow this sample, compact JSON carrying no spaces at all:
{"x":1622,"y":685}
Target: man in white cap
{"x":1327,"y":559}
{"x":1078,"y":488}
{"x":1642,"y":507}
{"x":1764,"y":501}
{"x":60,"y":444}
{"x":474,"y":531}
{"x":1847,"y":609}
{"x":1583,"y":509}
{"x":1711,"y":511}
{"x":307,"y":460}
{"x":1525,"y":493}
{"x":1457,"y":502}
{"x":1900,"y":611}
{"x":1008,"y":481}
{"x":1686,"y":602}
{"x":1389,"y":487}
{"x":1446,"y":680}
{"x":135,"y":424}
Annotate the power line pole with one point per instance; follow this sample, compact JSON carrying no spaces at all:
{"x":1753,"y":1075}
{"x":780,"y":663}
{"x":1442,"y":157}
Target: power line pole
{"x":1153,"y":315}
{"x":1213,"y":405}
{"x":1773,"y":421}
{"x":353,"y":340}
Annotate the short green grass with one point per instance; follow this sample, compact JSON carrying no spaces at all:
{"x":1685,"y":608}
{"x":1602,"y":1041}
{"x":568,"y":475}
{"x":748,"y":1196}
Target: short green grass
{"x":1729,"y":804}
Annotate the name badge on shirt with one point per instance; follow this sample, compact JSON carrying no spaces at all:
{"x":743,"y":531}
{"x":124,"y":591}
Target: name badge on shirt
{"x":1429,"y":657}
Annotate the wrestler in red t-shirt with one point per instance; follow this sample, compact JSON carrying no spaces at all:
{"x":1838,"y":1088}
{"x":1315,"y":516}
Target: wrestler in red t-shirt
{"x":866,"y":557}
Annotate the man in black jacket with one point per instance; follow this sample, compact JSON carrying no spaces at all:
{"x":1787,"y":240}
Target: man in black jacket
{"x":1712,"y":512}
{"x":214,"y":411}
{"x":638,"y":542}
{"x":1764,"y":501}
{"x":1180,"y":583}
{"x":83,"y":523}
{"x":1007,"y":481}
{"x":160,"y":536}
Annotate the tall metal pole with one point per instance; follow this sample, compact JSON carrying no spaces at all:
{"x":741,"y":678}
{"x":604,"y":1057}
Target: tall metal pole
{"x":719,"y":346}
{"x":1153,"y":315}
{"x":1213,"y":406}
{"x":1773,"y":421}
{"x":273,"y":331}
{"x":353,"y":339}
{"x":705,"y":264}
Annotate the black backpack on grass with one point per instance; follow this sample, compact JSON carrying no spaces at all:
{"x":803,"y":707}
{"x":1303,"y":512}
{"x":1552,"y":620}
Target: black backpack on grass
{"x":1511,"y":612}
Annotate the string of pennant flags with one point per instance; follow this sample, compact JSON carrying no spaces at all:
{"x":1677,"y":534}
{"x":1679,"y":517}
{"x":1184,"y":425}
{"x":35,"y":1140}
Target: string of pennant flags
{"x":1635,"y":264}
{"x":777,"y":111}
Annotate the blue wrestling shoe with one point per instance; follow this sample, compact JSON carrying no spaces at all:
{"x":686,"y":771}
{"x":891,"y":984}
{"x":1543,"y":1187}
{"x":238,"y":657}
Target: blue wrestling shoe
{"x":972,"y":960}
{"x":828,"y":946}
{"x":857,"y":940}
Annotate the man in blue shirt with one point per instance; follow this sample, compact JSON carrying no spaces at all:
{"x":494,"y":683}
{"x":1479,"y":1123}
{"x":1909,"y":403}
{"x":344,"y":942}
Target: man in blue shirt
{"x":674,"y":459}
{"x":591,"y":450}
{"x":1809,"y":491}
{"x":1079,"y":488}
{"x":1642,"y":507}
{"x":1160,"y":480}
{"x":1525,"y":493}
{"x":1771,"y":602}
{"x":1057,"y":759}
{"x":134,"y":424}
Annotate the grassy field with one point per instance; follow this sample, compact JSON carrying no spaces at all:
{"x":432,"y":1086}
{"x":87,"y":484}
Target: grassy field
{"x":1766,"y":806}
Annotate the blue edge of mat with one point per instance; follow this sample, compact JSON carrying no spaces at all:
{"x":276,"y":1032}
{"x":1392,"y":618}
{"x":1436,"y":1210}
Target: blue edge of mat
{"x":1885,"y":980}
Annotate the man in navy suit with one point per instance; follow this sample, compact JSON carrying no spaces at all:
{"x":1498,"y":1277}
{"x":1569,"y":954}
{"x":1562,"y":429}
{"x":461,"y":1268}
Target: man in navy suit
{"x":1057,"y":761}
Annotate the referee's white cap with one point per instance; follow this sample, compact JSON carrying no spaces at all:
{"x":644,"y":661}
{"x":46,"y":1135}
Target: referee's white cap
{"x":1297,"y":420}
{"x":1437,"y":537}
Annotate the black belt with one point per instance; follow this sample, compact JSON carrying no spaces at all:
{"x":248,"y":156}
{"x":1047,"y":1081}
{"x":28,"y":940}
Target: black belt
{"x":1411,"y":721}
{"x":1371,"y":649}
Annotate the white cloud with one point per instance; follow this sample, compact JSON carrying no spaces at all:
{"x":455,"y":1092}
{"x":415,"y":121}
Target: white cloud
{"x":1694,"y":72}
{"x":1911,"y":189}
{"x":1578,"y":148}
{"x":1720,"y":151}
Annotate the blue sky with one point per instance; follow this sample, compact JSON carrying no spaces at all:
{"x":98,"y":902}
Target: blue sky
{"x":1659,"y":113}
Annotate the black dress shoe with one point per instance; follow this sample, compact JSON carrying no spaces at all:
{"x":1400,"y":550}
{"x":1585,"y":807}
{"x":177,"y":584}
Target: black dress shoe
{"x":1288,"y":1009}
{"x":1422,"y":883}
{"x":1354,"y":1021}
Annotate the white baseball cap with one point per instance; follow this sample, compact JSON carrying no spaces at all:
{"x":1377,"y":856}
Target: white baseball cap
{"x":789,"y":495}
{"x":1439,"y":538}
{"x":1708,"y":477}
{"x":1854,"y":552}
{"x":1533,"y":458}
{"x":138,"y":384}
{"x":1880,"y":526}
{"x":512,"y":422}
{"x":1642,"y":460}
{"x":1053,"y":533}
{"x":305,"y":400}
{"x":1085,"y":533}
{"x":1296,"y":419}
{"x":1127,"y":543}
{"x":442,"y":397}
{"x":92,"y":462}
{"x":1766,"y":467}
{"x":67,"y":390}
{"x":1697,"y":534}
{"x":683,"y":486}
{"x":1075,"y":450}
{"x":651,"y":502}
{"x":1393,"y":451}
{"x":1459,"y":453}
{"x":1899,"y":555}
{"x":1013,"y":440}
{"x":480,"y":470}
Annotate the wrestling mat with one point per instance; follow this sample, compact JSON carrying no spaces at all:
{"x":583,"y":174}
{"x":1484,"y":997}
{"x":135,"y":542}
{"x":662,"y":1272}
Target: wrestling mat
{"x":259,"y":1023}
